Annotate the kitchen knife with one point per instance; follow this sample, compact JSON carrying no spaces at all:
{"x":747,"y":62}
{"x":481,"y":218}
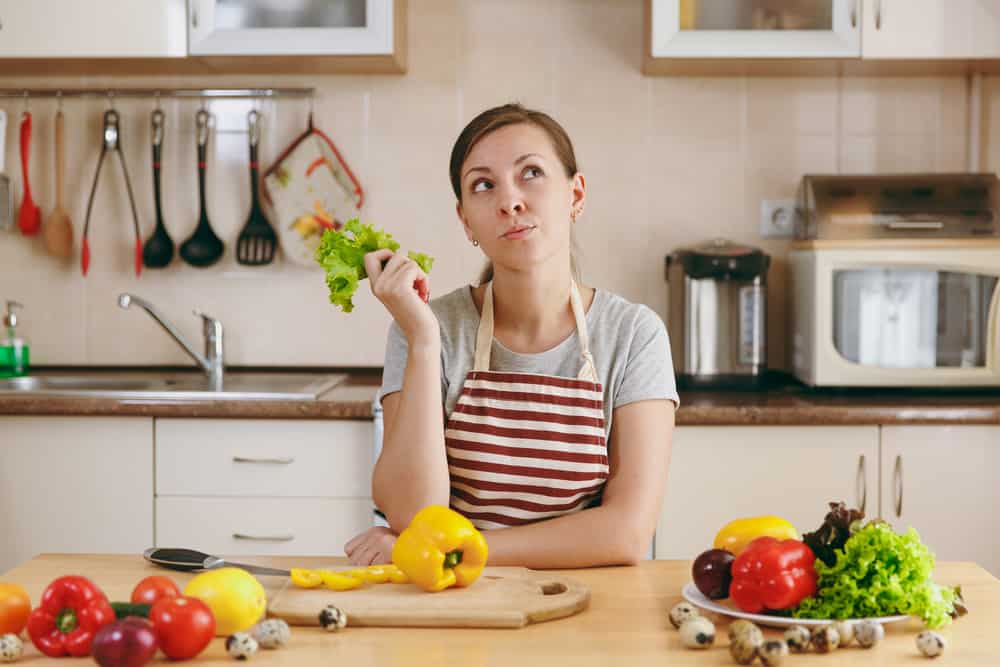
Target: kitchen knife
{"x":189,"y":560}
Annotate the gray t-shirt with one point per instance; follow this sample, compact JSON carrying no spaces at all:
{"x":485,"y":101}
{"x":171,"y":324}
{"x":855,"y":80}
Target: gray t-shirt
{"x":628,"y":342}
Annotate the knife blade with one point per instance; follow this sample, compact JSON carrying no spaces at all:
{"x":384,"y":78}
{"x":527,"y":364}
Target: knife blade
{"x":189,"y":560}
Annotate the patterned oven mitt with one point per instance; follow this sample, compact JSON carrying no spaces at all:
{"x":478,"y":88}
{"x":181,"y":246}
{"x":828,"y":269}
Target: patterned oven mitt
{"x":310,"y":189}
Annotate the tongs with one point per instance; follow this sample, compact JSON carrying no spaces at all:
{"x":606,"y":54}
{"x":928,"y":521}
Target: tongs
{"x":112,"y":142}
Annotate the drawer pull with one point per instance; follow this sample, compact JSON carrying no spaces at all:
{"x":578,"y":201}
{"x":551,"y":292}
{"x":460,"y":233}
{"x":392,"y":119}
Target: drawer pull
{"x":263,"y":538}
{"x":283,"y":460}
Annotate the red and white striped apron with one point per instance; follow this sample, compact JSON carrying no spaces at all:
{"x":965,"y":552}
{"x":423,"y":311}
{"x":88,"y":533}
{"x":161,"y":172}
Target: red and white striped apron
{"x":524,"y":446}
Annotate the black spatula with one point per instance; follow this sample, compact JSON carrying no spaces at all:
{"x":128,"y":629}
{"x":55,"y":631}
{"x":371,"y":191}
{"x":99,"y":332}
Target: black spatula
{"x":257,"y":241}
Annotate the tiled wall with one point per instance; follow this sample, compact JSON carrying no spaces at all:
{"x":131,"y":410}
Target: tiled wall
{"x":669,"y":161}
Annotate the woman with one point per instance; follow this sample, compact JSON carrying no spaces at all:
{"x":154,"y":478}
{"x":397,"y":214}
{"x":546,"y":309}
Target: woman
{"x":498,"y":400}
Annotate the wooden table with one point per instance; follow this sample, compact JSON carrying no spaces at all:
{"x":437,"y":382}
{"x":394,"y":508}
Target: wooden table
{"x":626,"y":624}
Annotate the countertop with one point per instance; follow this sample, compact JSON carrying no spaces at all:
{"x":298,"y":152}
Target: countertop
{"x":626,"y":623}
{"x":784,"y":402}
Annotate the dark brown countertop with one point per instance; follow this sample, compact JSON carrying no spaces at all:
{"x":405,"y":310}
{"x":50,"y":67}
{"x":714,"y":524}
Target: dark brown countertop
{"x":784,"y":403}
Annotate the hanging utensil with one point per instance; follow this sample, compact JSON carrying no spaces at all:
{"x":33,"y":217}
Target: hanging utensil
{"x":203,"y":248}
{"x":30,"y":217}
{"x":159,"y":248}
{"x":257,"y":241}
{"x":58,"y":228}
{"x":111,"y":142}
{"x":6,"y":192}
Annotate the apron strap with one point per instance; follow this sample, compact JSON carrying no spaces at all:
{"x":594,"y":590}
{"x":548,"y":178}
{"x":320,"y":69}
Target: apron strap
{"x":484,"y":335}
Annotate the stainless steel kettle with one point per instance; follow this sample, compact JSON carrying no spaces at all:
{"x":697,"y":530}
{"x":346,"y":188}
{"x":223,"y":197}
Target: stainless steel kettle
{"x":717,"y":315}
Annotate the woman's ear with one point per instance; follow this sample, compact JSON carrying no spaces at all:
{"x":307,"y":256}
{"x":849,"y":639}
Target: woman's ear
{"x":578,"y":190}
{"x":465,"y":223}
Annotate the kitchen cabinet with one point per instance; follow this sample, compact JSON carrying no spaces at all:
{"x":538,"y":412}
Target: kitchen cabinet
{"x":942,"y":481}
{"x":259,"y":486}
{"x":930,"y":29}
{"x":754,"y":29}
{"x":93,"y":29}
{"x":720,"y":473}
{"x":76,"y":485}
{"x":264,"y":27}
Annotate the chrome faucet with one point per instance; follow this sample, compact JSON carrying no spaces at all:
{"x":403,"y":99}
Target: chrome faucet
{"x":212,"y":361}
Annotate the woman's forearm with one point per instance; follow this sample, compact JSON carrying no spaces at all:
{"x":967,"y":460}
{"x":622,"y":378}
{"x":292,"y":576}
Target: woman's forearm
{"x":412,"y":470}
{"x":593,"y":537}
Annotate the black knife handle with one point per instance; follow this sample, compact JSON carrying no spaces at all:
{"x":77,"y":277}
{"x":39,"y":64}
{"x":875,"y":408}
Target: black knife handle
{"x":185,"y":560}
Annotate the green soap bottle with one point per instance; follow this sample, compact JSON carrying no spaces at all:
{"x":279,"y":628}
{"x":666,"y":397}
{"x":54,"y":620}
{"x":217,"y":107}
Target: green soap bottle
{"x":14,"y":357}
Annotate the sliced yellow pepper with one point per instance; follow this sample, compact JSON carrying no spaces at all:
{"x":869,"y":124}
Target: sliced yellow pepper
{"x":304,"y":578}
{"x":339,"y":581}
{"x":439,"y":549}
{"x":396,"y":575}
{"x":373,"y":574}
{"x":737,"y":534}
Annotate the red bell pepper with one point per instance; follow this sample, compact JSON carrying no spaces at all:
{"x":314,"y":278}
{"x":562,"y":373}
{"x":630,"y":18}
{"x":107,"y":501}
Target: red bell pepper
{"x":773,"y":574}
{"x":70,"y":613}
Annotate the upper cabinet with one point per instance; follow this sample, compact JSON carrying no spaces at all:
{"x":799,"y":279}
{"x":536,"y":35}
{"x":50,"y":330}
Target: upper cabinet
{"x":203,"y":36}
{"x":94,"y":29}
{"x":931,"y":29}
{"x":751,"y":35}
{"x":755,"y":29}
{"x":283,"y":27}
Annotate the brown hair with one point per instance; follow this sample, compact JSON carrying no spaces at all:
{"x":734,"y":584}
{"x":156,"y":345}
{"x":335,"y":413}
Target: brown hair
{"x":502,"y":116}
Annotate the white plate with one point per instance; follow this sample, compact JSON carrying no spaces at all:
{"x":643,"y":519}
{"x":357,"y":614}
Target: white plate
{"x":695,"y":597}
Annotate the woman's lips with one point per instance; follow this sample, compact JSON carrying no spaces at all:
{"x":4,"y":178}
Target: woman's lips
{"x":518,"y":232}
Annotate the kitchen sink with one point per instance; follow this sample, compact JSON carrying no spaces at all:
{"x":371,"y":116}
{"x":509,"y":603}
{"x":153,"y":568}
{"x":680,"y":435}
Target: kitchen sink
{"x":240,"y":386}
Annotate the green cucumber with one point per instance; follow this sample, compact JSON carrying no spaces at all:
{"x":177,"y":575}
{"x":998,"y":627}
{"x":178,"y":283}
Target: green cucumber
{"x":123,"y":609}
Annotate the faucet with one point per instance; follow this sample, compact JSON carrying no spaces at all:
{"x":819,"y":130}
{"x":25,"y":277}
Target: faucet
{"x":212,"y":361}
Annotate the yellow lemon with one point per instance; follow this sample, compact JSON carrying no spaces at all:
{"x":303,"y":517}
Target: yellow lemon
{"x":235,"y":597}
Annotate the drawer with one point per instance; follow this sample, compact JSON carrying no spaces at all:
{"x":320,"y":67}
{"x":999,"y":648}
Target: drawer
{"x":264,"y":457}
{"x":263,"y":526}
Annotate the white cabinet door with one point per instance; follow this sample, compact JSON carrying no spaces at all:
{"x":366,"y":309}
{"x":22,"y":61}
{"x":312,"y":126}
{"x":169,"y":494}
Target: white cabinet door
{"x":75,"y":485}
{"x":942,"y":480}
{"x":721,"y":473}
{"x":93,"y":29}
{"x":931,"y":29}
{"x":747,"y":29}
{"x":265,"y":27}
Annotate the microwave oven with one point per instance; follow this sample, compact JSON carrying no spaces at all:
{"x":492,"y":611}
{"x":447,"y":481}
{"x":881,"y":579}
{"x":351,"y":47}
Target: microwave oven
{"x":896,"y":313}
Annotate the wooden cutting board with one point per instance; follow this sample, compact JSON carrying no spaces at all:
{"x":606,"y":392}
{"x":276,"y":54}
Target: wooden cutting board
{"x":502,"y":597}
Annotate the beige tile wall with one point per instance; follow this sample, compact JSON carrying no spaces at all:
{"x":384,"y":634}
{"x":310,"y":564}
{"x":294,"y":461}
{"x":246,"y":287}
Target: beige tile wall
{"x":669,"y":161}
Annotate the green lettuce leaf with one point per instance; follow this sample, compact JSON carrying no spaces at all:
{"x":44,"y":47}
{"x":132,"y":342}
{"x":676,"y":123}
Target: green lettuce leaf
{"x":880,"y":573}
{"x":343,"y":258}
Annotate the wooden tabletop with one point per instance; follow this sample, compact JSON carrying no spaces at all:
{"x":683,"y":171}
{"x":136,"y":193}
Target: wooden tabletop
{"x":626,"y":624}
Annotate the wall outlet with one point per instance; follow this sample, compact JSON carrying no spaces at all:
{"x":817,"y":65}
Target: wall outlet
{"x":777,"y":218}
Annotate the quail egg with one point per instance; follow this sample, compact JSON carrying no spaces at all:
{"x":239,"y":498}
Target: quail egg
{"x":825,"y":639}
{"x":681,"y":612}
{"x":332,"y":618}
{"x":845,"y":630}
{"x":773,"y":652}
{"x":271,"y":633}
{"x":240,"y":645}
{"x":797,"y":637}
{"x":930,"y":643}
{"x":868,"y":633}
{"x":697,"y":632}
{"x":744,"y":647}
{"x":11,"y":648}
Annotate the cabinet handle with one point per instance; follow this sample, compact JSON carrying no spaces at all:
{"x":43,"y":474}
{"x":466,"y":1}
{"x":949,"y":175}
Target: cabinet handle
{"x":897,"y":481}
{"x":194,"y":14}
{"x":283,"y":460}
{"x":878,"y":14}
{"x":861,"y":485}
{"x":854,"y":14}
{"x":263,"y":538}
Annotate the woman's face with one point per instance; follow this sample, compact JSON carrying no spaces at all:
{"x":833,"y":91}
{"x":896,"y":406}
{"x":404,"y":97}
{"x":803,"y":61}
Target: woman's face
{"x":516,"y":199}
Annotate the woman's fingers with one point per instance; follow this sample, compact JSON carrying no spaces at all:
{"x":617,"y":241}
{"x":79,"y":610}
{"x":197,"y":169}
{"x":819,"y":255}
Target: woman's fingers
{"x":373,"y":263}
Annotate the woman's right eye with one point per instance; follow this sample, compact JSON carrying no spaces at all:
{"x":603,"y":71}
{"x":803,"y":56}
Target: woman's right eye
{"x":481,"y":186}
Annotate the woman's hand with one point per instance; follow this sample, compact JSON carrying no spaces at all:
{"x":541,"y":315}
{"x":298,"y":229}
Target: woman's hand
{"x":372,"y":547}
{"x":403,"y":288}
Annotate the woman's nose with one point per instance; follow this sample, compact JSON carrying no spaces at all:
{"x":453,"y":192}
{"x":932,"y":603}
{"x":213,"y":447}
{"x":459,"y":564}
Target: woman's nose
{"x":512,"y":203}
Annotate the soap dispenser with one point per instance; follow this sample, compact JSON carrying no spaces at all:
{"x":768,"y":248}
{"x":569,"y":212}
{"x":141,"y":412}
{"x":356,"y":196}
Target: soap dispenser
{"x":14,"y":360}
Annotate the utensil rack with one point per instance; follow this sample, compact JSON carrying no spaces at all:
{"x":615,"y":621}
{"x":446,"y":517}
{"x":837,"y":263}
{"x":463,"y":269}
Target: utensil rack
{"x":158,"y":93}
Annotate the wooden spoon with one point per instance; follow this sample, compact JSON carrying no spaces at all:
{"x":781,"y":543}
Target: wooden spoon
{"x":58,"y":229}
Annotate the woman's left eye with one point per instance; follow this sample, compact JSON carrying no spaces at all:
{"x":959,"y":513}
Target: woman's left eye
{"x":532,"y":172}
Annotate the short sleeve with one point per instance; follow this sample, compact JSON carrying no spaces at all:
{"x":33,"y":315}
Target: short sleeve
{"x":396,"y":351}
{"x":649,"y":369}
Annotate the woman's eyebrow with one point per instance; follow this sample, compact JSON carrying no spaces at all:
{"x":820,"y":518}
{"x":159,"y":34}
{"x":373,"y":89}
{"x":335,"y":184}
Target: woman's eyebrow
{"x":516,"y":162}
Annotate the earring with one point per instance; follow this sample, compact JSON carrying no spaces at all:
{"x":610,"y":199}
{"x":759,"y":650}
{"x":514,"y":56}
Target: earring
{"x":475,"y":243}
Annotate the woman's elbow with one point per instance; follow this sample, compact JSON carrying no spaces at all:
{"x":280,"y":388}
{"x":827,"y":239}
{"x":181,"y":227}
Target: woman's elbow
{"x":633,"y":546}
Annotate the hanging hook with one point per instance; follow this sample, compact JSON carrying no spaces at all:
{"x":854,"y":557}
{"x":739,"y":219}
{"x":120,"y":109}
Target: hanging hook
{"x":59,"y":101}
{"x":157,"y":96}
{"x":27,"y":103}
{"x":111,"y":99}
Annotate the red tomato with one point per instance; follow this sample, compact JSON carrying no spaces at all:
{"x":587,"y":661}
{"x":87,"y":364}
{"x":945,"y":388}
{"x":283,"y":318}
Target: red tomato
{"x":184,"y":626}
{"x":151,"y":589}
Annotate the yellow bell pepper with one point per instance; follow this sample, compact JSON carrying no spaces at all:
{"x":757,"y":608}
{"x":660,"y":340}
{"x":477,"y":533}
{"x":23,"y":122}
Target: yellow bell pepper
{"x":339,"y":581}
{"x":440,"y":549}
{"x":373,"y":574}
{"x":737,"y":534}
{"x":304,"y":578}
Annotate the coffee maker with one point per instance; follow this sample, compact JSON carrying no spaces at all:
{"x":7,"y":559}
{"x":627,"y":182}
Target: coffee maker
{"x":717,"y":315}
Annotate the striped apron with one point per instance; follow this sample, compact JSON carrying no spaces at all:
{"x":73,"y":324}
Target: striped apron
{"x":522,"y":446}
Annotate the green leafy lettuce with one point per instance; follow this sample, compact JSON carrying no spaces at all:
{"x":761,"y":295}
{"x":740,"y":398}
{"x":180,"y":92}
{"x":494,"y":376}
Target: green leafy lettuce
{"x":343,"y":258}
{"x":880,"y":573}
